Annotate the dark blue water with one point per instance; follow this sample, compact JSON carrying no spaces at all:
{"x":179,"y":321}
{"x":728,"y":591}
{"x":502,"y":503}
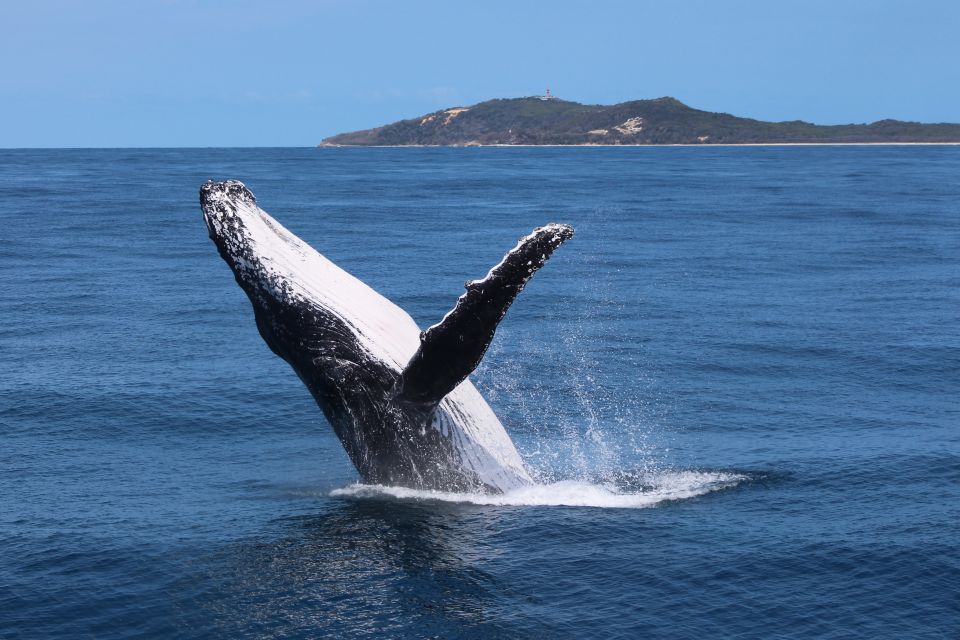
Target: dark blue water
{"x":784,"y":318}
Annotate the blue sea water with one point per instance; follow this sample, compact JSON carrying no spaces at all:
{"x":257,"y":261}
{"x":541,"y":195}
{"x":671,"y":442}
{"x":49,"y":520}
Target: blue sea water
{"x":739,"y":385}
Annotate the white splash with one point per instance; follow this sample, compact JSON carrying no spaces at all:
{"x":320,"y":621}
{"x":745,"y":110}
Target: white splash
{"x":659,"y":488}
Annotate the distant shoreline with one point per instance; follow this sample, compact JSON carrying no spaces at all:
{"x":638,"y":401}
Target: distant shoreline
{"x":619,"y":146}
{"x":544,"y":121}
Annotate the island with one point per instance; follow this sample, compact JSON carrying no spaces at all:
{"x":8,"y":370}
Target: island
{"x":546,"y":120}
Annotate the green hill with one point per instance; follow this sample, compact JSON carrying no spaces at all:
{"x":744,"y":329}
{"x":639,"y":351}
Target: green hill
{"x":539,"y":121}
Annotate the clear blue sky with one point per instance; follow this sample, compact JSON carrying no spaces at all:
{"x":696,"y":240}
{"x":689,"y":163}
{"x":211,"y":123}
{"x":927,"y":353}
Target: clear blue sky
{"x":104,"y":73}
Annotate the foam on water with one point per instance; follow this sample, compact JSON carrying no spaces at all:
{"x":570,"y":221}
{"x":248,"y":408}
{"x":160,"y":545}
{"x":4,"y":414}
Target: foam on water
{"x":655,"y":489}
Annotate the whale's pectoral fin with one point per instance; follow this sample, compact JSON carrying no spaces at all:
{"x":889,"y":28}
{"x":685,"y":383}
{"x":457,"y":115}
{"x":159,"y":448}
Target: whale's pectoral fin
{"x":453,"y":348}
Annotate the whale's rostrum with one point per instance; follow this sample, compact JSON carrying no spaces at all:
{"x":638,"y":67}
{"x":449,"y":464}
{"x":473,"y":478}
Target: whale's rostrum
{"x":398,"y":399}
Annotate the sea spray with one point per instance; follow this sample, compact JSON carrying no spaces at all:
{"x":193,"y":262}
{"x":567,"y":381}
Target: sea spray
{"x":591,"y":423}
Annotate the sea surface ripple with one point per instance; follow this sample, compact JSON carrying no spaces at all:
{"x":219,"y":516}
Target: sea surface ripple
{"x":738,"y":387}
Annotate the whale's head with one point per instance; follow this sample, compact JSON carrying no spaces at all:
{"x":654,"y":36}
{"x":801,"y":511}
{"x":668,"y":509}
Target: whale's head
{"x":272,"y":265}
{"x":236,"y":225}
{"x":291,"y":285}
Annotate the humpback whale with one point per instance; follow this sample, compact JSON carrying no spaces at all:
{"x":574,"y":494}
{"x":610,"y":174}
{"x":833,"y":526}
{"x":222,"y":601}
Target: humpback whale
{"x":399,"y":400}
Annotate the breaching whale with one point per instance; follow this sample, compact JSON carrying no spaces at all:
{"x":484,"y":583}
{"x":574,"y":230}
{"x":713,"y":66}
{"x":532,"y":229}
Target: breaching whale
{"x":398,"y":399}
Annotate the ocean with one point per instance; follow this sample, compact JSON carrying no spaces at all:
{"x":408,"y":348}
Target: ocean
{"x":738,"y":386}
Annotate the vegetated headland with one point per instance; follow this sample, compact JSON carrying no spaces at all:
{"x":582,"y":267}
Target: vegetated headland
{"x":546,"y":120}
